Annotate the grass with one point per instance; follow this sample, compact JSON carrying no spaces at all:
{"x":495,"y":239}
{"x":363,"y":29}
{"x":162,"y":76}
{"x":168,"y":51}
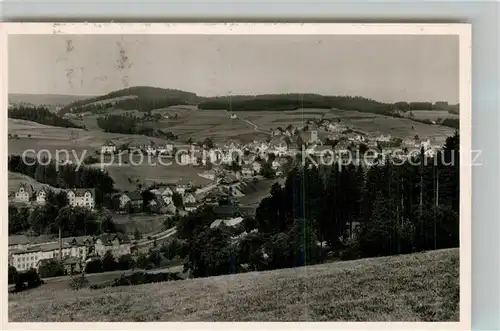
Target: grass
{"x":146,"y":224}
{"x":417,"y":287}
{"x":432,"y":115}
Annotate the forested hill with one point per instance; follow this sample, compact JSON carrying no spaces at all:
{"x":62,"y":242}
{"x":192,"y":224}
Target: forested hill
{"x":40,"y":115}
{"x":295,"y":101}
{"x":143,"y":98}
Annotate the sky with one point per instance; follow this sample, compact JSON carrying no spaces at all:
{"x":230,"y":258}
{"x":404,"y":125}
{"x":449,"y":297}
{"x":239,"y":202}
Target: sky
{"x":387,"y":68}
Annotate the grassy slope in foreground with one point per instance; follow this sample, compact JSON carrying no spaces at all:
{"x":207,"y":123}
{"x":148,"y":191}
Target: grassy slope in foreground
{"x":417,"y":287}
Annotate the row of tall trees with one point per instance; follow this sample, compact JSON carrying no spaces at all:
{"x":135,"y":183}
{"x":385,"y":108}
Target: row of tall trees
{"x":63,"y":176}
{"x":129,"y":124}
{"x":438,"y":105}
{"x":41,"y":115}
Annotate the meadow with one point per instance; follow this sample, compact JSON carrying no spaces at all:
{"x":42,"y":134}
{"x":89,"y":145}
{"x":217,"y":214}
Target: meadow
{"x":416,"y":287}
{"x":432,"y":115}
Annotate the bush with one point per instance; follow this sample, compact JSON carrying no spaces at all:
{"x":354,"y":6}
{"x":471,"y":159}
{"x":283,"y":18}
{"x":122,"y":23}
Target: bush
{"x":12,"y":275}
{"x":78,"y":283}
{"x":109,"y":262}
{"x":28,"y":279}
{"x":138,"y":278}
{"x":51,"y":269}
{"x":126,"y":262}
{"x":94,"y":266}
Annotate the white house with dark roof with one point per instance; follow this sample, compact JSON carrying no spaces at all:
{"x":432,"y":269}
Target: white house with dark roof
{"x":41,"y":196}
{"x":25,"y":193}
{"x":108,"y":148}
{"x":81,"y":197}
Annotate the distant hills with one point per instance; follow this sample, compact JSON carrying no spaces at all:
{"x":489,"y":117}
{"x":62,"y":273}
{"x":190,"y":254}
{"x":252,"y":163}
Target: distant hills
{"x":45,"y":99}
{"x":146,"y":98}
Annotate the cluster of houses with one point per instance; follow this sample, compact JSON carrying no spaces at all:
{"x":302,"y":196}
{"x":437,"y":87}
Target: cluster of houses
{"x":162,"y":201}
{"x":109,"y":147}
{"x":25,"y":253}
{"x":78,"y":197}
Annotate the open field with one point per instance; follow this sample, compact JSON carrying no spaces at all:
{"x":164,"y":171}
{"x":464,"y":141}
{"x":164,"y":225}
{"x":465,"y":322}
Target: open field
{"x":62,"y":282}
{"x":417,"y":287}
{"x":56,"y":138}
{"x":432,"y":115}
{"x":255,"y":192}
{"x":146,"y":224}
{"x":148,"y":174}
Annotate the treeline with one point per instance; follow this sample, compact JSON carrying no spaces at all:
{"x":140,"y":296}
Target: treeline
{"x":148,"y":105}
{"x":63,"y":176}
{"x":439,"y":105}
{"x":129,"y":124}
{"x":295,"y":101}
{"x":351,"y":211}
{"x":41,"y":115}
{"x":46,"y":219}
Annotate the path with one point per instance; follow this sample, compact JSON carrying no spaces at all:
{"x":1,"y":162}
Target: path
{"x":157,"y":237}
{"x":255,"y":126}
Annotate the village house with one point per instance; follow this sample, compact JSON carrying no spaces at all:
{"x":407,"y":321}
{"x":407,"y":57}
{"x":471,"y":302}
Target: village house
{"x":247,"y":171}
{"x":227,"y":222}
{"x":228,"y":211}
{"x":32,"y":256}
{"x":181,"y":188}
{"x":164,"y":193}
{"x":133,"y":198}
{"x":275,"y":164}
{"x":81,"y":197}
{"x":383,"y":138}
{"x":189,"y":198}
{"x":108,"y":148}
{"x":188,"y":159}
{"x":18,"y":242}
{"x":314,"y":139}
{"x":25,"y":193}
{"x":158,"y":205}
{"x":150,"y":150}
{"x":41,"y":196}
{"x":191,"y":206}
{"x":278,"y":147}
{"x":209,"y":174}
{"x":256,"y":166}
{"x":118,"y":244}
{"x":277,"y":132}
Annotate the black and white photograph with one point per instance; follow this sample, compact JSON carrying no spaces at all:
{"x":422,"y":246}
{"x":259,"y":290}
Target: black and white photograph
{"x":236,"y":177}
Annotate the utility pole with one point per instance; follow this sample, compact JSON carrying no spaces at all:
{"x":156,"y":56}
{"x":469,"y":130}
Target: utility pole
{"x":436,"y":206}
{"x":60,"y":244}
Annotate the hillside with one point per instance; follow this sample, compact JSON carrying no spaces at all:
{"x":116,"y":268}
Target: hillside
{"x":417,"y":287}
{"x":46,"y":99}
{"x":136,"y":95}
{"x":15,"y":179}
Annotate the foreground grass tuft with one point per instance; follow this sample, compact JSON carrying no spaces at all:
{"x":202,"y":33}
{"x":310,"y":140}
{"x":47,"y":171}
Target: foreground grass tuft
{"x":416,"y":287}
